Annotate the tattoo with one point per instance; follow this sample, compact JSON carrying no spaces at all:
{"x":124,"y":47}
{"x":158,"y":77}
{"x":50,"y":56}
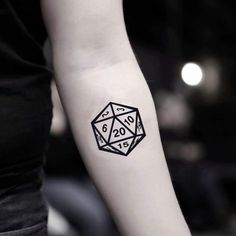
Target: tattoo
{"x":118,"y":129}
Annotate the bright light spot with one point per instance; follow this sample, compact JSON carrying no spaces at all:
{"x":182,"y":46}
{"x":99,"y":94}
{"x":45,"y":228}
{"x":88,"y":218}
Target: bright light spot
{"x":57,"y":224}
{"x":192,"y":74}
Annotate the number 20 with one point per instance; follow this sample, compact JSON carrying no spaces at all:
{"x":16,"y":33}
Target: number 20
{"x":119,"y":132}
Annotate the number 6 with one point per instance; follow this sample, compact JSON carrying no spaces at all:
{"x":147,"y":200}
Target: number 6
{"x":104,"y":128}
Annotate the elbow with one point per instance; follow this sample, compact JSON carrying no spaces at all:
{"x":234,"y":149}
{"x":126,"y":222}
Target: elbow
{"x":95,"y":54}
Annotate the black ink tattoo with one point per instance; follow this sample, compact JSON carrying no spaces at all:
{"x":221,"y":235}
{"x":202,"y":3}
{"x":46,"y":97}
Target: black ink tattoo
{"x":118,"y":129}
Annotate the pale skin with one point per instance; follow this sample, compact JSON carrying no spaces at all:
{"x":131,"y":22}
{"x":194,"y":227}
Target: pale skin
{"x":94,"y":65}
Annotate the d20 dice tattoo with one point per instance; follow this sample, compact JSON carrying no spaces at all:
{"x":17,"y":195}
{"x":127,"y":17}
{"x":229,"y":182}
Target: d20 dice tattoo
{"x":118,"y":129}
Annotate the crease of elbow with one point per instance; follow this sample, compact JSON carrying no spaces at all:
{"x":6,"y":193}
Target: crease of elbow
{"x":76,"y":58}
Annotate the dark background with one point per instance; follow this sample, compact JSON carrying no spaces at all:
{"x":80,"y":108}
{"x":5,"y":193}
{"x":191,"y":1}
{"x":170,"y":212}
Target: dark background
{"x":197,"y":124}
{"x":201,"y":153}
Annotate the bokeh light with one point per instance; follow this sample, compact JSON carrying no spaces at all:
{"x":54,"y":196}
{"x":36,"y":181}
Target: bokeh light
{"x":192,"y":74}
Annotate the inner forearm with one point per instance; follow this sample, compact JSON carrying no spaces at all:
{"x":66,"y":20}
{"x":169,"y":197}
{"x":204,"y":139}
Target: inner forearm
{"x":136,"y":187}
{"x":94,"y":66}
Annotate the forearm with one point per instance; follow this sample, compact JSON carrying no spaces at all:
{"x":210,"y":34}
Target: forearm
{"x":137,"y":188}
{"x":94,"y":65}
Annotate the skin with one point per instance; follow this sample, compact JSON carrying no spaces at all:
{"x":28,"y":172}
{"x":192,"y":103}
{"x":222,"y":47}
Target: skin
{"x":94,"y":65}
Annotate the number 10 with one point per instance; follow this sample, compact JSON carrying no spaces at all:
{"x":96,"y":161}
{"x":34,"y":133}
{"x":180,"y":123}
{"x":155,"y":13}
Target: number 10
{"x":129,"y":120}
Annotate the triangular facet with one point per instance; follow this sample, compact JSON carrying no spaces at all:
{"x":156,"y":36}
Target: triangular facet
{"x":105,"y":113}
{"x":100,"y":140}
{"x":123,"y":146}
{"x":120,"y":109}
{"x":104,"y":128}
{"x":119,"y":131}
{"x":136,"y":141}
{"x":110,"y":149}
{"x":129,"y":120}
{"x":139,"y":127}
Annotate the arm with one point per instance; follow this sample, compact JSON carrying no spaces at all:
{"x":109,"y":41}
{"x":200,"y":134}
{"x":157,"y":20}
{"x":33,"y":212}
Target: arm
{"x":94,"y":65}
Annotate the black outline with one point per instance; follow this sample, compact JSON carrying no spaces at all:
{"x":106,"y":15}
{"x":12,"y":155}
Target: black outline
{"x":109,"y":138}
{"x":95,"y":129}
{"x":135,"y":110}
{"x":94,"y":120}
{"x":137,"y":113}
{"x":144,"y":133}
{"x":122,"y":141}
{"x":103,"y":120}
{"x":116,"y":117}
{"x":131,"y":149}
{"x":100,"y":132}
{"x":127,"y":126}
{"x":95,"y":137}
{"x":122,"y":106}
{"x":118,"y":151}
{"x":124,"y":126}
{"x":112,"y":109}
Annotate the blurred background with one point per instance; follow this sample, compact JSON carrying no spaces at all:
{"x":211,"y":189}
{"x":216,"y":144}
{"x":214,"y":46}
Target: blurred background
{"x":187,"y":52}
